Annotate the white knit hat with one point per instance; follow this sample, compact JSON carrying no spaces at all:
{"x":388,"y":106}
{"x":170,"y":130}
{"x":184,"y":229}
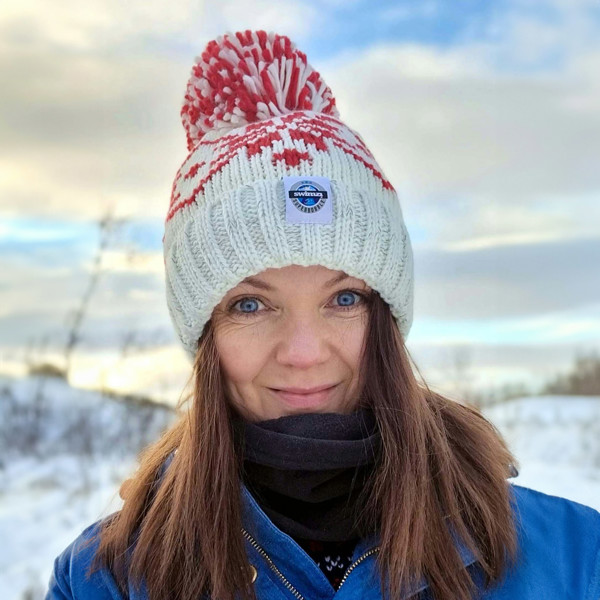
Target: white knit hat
{"x":274,"y":178}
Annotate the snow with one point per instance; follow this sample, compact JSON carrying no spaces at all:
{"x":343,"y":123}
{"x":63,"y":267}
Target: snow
{"x":56,"y":481}
{"x":63,"y":454}
{"x":49,"y":502}
{"x":556,"y":440}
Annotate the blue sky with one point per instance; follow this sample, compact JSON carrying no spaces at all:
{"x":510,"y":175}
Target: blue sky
{"x":484,"y":115}
{"x":357,"y":25}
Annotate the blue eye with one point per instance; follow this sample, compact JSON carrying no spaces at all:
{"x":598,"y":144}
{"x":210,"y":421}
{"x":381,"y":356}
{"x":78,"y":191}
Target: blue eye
{"x":246,"y":305}
{"x":346,"y":298}
{"x":347,"y":301}
{"x":248,"y":302}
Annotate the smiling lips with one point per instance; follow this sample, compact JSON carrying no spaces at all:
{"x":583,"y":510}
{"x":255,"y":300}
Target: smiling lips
{"x":304,"y":397}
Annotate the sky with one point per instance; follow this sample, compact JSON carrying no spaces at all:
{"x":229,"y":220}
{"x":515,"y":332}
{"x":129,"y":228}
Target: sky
{"x":484,"y":115}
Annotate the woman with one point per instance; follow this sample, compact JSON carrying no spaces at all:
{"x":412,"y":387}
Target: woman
{"x":310,"y":462}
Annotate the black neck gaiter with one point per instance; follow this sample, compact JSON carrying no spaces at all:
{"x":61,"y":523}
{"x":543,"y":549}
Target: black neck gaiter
{"x":308,"y":471}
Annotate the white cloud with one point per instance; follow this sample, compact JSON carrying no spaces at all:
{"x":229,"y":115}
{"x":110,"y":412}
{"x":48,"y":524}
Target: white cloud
{"x":160,"y":372}
{"x":85,"y":128}
{"x":293,"y":18}
{"x":491,"y":365}
{"x":507,"y":281}
{"x":475,"y":152}
{"x":92,"y":94}
{"x":98,"y":24}
{"x":404,"y":12}
{"x":493,"y":241}
{"x":118,"y":261}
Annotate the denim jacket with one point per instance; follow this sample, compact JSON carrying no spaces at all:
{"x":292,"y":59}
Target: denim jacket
{"x":559,"y":559}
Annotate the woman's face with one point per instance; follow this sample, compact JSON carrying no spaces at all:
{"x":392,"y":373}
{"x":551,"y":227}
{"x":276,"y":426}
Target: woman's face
{"x":284,"y":332}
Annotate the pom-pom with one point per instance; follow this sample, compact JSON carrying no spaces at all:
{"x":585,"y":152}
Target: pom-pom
{"x":250,"y":76}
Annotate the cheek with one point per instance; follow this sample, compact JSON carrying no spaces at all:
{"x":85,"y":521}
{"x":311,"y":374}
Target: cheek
{"x":355,"y":356}
{"x":351,"y":343}
{"x":241,"y":361}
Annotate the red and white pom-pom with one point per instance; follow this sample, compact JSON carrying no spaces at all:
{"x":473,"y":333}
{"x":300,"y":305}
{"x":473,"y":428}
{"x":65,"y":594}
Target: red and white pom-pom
{"x":250,"y":76}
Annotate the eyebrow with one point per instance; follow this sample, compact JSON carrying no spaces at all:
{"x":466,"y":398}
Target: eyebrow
{"x":258,"y":283}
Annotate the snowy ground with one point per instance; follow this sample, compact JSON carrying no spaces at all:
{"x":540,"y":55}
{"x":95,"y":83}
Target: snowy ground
{"x":66,"y":474}
{"x":63,"y":454}
{"x":556,"y":440}
{"x":48,"y":504}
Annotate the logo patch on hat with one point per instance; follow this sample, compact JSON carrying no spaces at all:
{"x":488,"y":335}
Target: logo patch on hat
{"x":308,"y":199}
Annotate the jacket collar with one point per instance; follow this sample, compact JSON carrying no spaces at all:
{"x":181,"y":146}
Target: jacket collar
{"x":297,"y":566}
{"x":303,"y":573}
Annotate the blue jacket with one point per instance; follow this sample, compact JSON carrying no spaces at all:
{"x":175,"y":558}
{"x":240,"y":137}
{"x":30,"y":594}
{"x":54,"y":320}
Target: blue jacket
{"x":559,"y":544}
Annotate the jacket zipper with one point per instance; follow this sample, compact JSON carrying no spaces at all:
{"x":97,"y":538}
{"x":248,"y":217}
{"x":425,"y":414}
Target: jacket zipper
{"x":273,"y":566}
{"x":285,"y":582}
{"x":356,"y":563}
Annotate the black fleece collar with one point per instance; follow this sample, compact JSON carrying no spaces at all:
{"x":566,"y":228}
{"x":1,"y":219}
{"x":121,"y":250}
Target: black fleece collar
{"x":308,"y":471}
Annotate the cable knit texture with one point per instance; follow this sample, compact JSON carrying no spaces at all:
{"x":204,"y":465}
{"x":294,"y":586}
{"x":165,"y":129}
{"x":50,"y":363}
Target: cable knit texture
{"x":254,"y":112}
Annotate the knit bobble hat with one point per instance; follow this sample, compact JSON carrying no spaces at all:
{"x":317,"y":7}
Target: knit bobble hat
{"x":273,"y":178}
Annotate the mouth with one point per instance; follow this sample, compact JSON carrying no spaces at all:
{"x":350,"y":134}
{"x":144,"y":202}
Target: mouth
{"x":312,"y":398}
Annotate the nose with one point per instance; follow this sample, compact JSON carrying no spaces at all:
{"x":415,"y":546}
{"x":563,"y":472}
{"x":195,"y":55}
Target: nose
{"x":303,"y":341}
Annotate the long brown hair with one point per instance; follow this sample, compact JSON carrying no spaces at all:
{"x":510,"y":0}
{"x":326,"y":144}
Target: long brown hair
{"x":443,"y":467}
